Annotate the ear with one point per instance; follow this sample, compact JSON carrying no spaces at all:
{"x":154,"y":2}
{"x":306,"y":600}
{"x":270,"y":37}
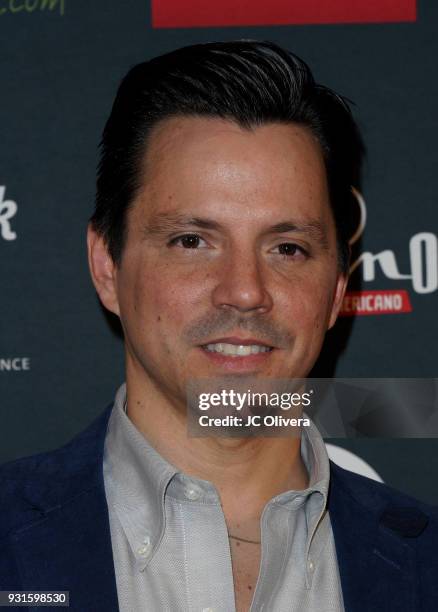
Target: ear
{"x":341,"y":286}
{"x":103,"y":270}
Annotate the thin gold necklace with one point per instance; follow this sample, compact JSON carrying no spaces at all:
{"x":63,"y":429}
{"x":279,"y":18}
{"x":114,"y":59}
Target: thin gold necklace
{"x":243,"y":539}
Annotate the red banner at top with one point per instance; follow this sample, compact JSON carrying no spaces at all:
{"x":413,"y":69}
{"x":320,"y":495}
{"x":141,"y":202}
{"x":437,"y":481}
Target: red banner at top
{"x":203,"y":13}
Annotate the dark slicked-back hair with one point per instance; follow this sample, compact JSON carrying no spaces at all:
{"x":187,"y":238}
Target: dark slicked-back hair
{"x":251,"y":83}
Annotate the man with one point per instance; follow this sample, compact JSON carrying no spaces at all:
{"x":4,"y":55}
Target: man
{"x":220,"y":239}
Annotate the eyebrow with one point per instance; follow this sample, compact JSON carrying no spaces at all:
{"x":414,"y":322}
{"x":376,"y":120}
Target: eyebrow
{"x":164,"y":223}
{"x":315,"y":229}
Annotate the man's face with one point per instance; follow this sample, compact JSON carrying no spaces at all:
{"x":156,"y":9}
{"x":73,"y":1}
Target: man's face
{"x":230,"y":264}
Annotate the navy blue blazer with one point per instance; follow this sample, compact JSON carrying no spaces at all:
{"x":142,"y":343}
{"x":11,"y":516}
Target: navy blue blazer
{"x":54,"y":533}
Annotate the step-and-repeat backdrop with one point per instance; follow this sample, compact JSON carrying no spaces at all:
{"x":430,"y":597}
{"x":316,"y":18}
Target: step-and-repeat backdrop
{"x":61,"y":61}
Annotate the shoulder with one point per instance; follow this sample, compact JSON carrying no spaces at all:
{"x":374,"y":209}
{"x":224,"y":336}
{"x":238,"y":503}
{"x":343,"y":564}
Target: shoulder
{"x":394,"y":510}
{"x":370,"y":492}
{"x":32,"y":486}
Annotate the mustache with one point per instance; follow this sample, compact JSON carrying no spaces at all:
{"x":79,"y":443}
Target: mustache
{"x":221,"y":323}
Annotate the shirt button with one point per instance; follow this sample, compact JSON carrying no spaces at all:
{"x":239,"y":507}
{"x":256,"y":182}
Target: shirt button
{"x":145,"y":549}
{"x":311,"y":566}
{"x":192,"y":491}
{"x":207,"y":610}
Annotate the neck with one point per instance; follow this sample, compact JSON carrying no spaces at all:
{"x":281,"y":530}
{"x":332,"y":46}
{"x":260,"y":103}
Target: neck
{"x":257,"y":468}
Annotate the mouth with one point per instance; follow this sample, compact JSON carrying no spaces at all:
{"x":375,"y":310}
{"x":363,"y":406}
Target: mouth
{"x":237,"y":352}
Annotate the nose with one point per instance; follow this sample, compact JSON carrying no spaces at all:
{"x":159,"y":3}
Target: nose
{"x":242,"y":283}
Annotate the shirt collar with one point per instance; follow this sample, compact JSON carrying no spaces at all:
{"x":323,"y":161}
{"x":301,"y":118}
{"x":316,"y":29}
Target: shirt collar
{"x":137,"y":478}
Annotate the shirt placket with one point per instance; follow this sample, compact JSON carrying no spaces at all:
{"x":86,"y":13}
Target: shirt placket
{"x":207,"y":559}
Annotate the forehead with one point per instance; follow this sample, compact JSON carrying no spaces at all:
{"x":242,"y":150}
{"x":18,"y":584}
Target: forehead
{"x":211,"y":165}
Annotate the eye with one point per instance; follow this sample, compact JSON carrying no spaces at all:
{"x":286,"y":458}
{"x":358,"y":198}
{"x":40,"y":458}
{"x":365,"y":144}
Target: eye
{"x":188,"y":241}
{"x":290,"y":249}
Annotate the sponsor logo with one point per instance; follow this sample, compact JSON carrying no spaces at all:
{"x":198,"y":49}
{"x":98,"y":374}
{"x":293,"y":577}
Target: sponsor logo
{"x":30,"y":6}
{"x":14,"y":364}
{"x":8,"y":209}
{"x":422,"y":275}
{"x":376,"y":302}
{"x":198,"y":13}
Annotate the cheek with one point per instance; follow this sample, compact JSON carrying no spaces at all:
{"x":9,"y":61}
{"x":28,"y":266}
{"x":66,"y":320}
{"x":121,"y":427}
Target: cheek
{"x":165,"y":299}
{"x":306,"y":304}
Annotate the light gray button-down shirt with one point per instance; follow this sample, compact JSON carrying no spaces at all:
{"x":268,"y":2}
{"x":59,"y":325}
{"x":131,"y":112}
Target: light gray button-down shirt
{"x":170,"y":541}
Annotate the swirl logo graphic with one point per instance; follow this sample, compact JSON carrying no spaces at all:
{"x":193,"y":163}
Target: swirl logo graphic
{"x":423,"y":273}
{"x":8,"y":209}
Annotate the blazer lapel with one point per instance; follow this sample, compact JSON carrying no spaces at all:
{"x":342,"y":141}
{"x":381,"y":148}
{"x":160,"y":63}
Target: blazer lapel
{"x":65,"y":543}
{"x":70,"y":550}
{"x":376,"y":565}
